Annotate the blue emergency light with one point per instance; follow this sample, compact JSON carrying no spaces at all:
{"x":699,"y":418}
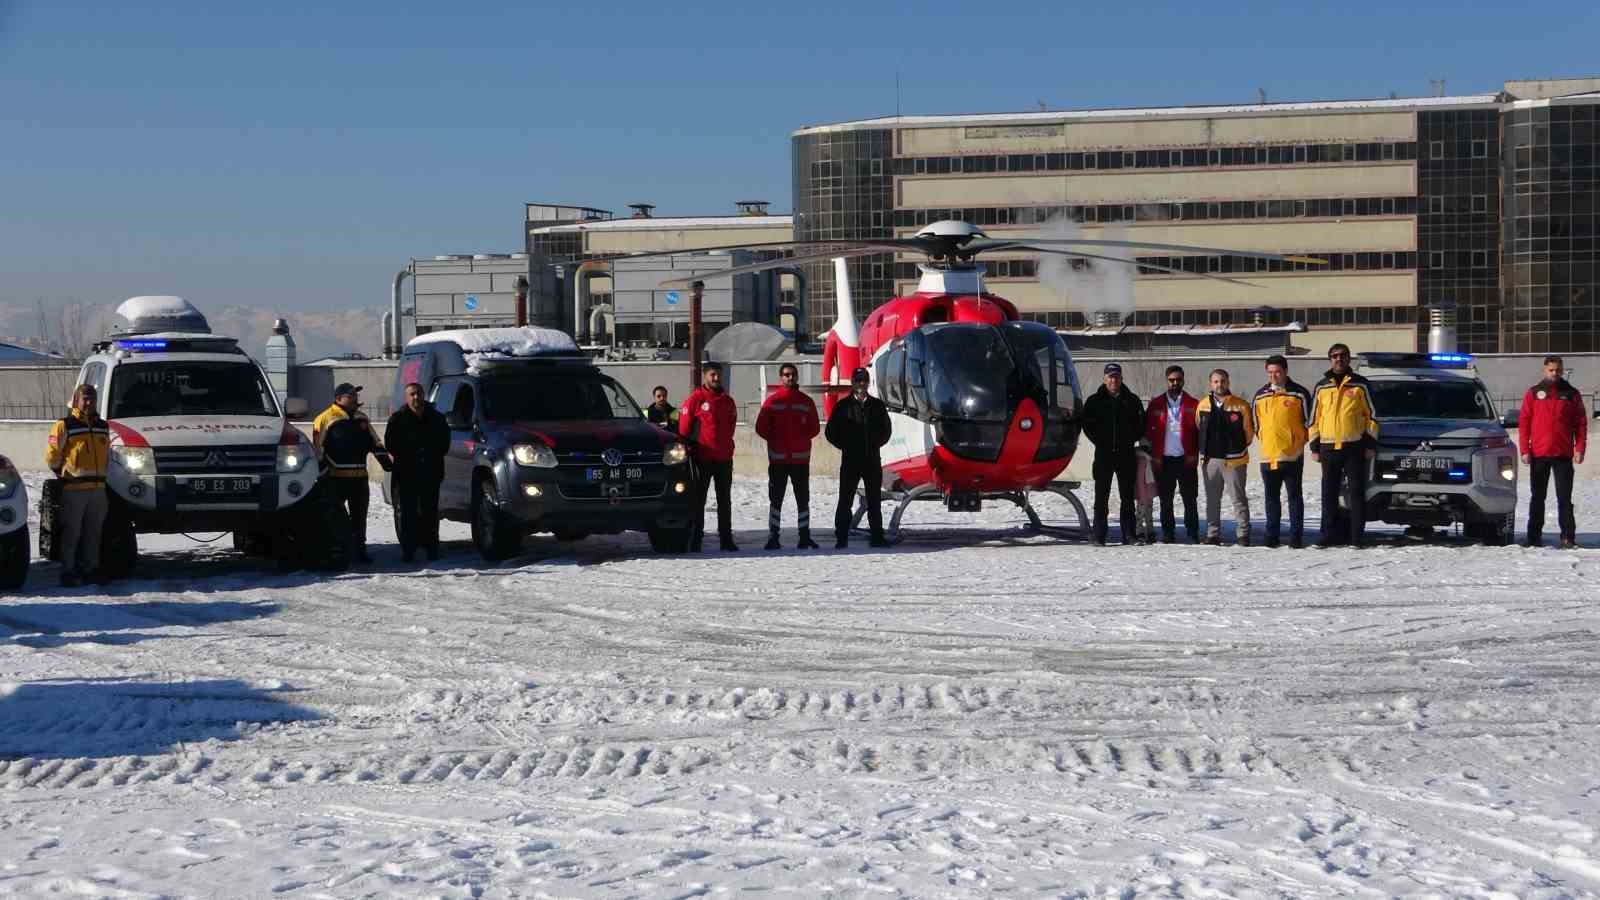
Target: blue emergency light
{"x":142,"y":344}
{"x":1448,"y":358}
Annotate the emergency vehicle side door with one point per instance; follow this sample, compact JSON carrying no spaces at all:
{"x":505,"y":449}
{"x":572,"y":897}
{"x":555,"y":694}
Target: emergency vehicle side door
{"x":464,"y":444}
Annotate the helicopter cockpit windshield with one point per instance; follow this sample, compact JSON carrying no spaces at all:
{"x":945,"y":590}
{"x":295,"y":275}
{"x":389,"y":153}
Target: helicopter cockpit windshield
{"x":1043,"y":366}
{"x":967,"y":366}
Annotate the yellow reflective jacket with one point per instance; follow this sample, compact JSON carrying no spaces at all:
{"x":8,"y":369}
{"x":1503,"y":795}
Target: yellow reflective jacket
{"x":1282,"y":415}
{"x":1226,"y":429}
{"x":1342,"y":413}
{"x":78,"y":450}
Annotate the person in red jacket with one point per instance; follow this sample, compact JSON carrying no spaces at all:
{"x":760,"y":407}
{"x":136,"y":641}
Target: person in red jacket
{"x":1553,"y":433}
{"x":707,"y":420}
{"x":788,"y":423}
{"x":1170,"y":430}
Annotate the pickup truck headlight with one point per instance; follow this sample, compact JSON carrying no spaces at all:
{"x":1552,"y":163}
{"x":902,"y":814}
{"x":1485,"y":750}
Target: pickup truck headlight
{"x":1494,"y":442}
{"x":139,"y":461}
{"x":536,"y":455}
{"x":676,"y":454}
{"x":292,"y":458}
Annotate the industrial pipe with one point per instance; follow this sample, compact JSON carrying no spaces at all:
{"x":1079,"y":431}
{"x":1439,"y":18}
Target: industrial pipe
{"x":800,"y":287}
{"x":594,"y":268}
{"x":388,"y":332}
{"x":396,"y":327}
{"x":522,"y":300}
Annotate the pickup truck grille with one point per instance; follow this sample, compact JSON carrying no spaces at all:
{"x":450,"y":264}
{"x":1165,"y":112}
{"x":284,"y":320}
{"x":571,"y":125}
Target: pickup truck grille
{"x":208,"y":460}
{"x":592,"y":458}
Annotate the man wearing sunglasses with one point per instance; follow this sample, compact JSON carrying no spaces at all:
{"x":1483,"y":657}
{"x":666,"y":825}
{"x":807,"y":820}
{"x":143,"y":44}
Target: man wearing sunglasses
{"x":1343,"y":437}
{"x":1170,"y":430}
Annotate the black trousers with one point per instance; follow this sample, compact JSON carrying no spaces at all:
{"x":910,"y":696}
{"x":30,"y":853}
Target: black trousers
{"x":1289,"y":477}
{"x":352,"y":494}
{"x":779,"y":476}
{"x":707,"y":474}
{"x":1346,"y":468}
{"x":417,"y":501}
{"x":1539,"y":472}
{"x":870,"y":475}
{"x":1124,"y":468}
{"x":1175,"y":476}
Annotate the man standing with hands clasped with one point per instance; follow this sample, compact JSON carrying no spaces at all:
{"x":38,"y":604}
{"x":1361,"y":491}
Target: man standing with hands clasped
{"x":1226,"y":431}
{"x":707,"y":420}
{"x":1113,"y":419}
{"x":1553,"y":432}
{"x":788,"y":423}
{"x":1283,"y":410}
{"x":859,"y":427}
{"x":418,"y":439}
{"x":1343,"y":437}
{"x":1170,"y":430}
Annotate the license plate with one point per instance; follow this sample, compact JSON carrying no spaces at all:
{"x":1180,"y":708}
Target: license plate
{"x":614,"y":473}
{"x":1422,"y":464}
{"x":219,"y":487}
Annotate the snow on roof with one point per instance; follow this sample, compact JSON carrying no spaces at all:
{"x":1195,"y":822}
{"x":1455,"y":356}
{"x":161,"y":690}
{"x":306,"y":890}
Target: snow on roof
{"x":1167,"y":112}
{"x":506,"y":342}
{"x":162,"y":312}
{"x":672,"y":223}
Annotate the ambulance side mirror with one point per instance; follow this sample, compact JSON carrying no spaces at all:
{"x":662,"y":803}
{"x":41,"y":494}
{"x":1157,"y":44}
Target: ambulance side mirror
{"x":295,"y":407}
{"x":1510,"y":417}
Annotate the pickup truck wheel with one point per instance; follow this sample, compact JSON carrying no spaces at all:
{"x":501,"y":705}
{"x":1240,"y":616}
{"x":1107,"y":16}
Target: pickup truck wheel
{"x":1493,"y":533}
{"x":495,"y":537}
{"x":669,"y":540}
{"x":119,"y":547}
{"x":253,"y":543}
{"x":15,"y":550}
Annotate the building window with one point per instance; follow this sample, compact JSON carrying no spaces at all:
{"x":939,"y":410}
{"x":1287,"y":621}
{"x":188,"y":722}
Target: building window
{"x":1480,"y":203}
{"x":1214,"y":157}
{"x":1349,"y":152}
{"x":1436,"y":205}
{"x":1480,"y":259}
{"x":877,"y":167}
{"x":1388,"y":151}
{"x":1435,"y":260}
{"x":1480,"y":149}
{"x":1436,"y":150}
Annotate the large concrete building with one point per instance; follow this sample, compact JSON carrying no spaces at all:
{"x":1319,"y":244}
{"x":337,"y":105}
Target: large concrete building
{"x":1488,"y":202}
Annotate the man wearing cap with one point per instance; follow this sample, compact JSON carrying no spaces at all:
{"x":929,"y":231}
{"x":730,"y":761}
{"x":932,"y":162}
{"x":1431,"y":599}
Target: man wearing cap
{"x":343,"y":437}
{"x":859,"y":426}
{"x":707,"y":420}
{"x":1113,"y":420}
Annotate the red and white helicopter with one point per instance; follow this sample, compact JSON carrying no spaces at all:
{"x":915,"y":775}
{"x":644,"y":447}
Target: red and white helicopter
{"x":984,"y":405}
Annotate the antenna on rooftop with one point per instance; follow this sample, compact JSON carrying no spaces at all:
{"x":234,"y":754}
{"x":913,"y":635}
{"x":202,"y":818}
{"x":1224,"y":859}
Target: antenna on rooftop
{"x":1261,"y":93}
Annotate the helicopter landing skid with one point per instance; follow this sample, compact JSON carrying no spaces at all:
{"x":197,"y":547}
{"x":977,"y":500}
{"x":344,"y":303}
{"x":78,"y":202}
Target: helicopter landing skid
{"x":1036,"y":524}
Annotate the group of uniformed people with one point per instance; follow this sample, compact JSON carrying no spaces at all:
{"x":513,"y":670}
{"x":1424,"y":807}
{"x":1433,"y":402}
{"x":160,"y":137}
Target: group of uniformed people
{"x":1168,"y":447}
{"x":1178,"y":440}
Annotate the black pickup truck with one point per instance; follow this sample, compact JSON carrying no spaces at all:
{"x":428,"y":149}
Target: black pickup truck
{"x":543,"y":441}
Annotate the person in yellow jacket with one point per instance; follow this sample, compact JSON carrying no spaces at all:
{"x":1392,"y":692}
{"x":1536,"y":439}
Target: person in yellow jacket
{"x":343,"y":437}
{"x":1343,"y":437}
{"x":1226,"y":429}
{"x":78,"y":450}
{"x":1283,"y":412}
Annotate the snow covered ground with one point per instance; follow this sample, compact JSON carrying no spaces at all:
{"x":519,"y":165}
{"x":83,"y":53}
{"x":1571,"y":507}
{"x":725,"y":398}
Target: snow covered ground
{"x":975,"y":714}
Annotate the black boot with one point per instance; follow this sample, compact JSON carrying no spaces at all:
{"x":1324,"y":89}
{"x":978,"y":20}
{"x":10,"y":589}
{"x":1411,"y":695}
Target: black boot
{"x":805,"y":542}
{"x":772,"y":540}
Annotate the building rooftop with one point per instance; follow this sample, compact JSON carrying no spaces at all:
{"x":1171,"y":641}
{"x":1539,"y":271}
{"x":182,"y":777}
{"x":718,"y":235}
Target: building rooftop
{"x":673,"y":223}
{"x":1052,"y":117}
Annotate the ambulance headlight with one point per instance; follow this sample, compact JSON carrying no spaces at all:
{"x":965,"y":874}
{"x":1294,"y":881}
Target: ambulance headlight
{"x":136,"y":460}
{"x":8,"y":485}
{"x":675,"y":455}
{"x":1508,"y":468}
{"x":291,"y":458}
{"x":537,"y":456}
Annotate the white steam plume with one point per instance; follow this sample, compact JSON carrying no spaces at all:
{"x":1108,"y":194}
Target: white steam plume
{"x":1094,"y":285}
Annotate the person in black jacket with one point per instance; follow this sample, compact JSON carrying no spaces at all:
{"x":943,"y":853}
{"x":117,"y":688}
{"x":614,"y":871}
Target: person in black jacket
{"x":418,"y":439}
{"x":859,"y":426}
{"x":1113,"y":419}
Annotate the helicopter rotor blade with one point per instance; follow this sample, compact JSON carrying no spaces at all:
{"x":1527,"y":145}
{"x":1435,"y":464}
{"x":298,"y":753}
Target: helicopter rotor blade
{"x":785,"y":262}
{"x":1134,"y":262}
{"x":1040,"y":243}
{"x":812,"y":248}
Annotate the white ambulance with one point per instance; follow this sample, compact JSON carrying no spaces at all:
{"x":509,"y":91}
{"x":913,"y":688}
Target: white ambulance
{"x":200,"y":443}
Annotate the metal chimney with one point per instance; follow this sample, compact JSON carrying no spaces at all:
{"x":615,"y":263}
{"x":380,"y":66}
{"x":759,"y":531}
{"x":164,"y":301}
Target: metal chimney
{"x":281,"y":360}
{"x":1442,"y":327}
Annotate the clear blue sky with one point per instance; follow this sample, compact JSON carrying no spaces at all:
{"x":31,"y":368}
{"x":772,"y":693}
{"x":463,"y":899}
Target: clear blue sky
{"x":236,"y":153}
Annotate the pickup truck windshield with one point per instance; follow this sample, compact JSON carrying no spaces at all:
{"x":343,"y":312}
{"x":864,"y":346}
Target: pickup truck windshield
{"x":1430,"y":400}
{"x":186,"y":388}
{"x":557,"y":396}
